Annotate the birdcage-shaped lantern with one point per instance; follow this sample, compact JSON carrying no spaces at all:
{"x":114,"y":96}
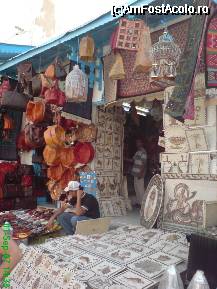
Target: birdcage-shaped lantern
{"x":76,"y":86}
{"x":166,"y":55}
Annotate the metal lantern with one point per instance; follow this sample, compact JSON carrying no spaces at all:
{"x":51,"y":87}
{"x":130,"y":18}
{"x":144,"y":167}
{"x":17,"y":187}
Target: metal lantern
{"x":166,"y":54}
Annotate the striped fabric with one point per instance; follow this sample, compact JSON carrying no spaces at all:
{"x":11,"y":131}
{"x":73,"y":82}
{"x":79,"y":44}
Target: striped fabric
{"x":140,"y":159}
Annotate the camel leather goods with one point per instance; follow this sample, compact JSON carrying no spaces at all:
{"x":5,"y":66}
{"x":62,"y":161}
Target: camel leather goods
{"x":86,"y":48}
{"x":36,"y":85}
{"x":67,"y":157}
{"x":76,"y":85}
{"x":51,"y":95}
{"x":51,"y":155}
{"x":54,"y":136}
{"x":50,"y":72}
{"x":46,"y":83}
{"x":67,"y":124}
{"x":15,"y":100}
{"x":86,"y":133}
{"x":144,"y":57}
{"x":117,"y":71}
{"x":60,"y":72}
{"x":55,"y":173}
{"x":34,"y":135}
{"x":35,"y":111}
{"x":55,"y":190}
{"x":21,"y":144}
{"x":84,"y":153}
{"x":68,"y":175}
{"x":5,"y":86}
{"x":26,"y":181}
{"x":25,"y":71}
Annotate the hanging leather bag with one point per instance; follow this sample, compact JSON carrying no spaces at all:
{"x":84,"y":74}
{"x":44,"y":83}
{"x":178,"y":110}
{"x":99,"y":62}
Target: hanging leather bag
{"x":67,"y":157}
{"x":54,"y":136}
{"x":60,"y":72}
{"x":55,"y":172}
{"x":25,"y":71}
{"x":36,"y":85}
{"x":15,"y":100}
{"x":51,"y":155}
{"x":86,"y":133}
{"x":34,"y":135}
{"x":5,"y":86}
{"x":35,"y":111}
{"x":21,"y":144}
{"x":50,"y":72}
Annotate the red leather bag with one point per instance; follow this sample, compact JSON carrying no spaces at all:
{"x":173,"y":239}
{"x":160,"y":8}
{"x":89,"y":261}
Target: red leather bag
{"x":21,"y":144}
{"x":5,"y":86}
{"x":52,"y":95}
{"x":26,"y":181}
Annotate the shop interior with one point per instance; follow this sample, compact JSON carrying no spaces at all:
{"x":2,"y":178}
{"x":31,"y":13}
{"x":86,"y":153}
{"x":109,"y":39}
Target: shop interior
{"x":146,"y":124}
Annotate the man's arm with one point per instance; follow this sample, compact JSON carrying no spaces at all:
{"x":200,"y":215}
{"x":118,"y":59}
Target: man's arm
{"x":78,"y":210}
{"x":56,"y":214}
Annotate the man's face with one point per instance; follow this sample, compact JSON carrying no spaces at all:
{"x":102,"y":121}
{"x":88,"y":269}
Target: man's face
{"x":73,"y":194}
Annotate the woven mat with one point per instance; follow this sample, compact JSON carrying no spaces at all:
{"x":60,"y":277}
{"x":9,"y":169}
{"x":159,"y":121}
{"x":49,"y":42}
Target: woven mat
{"x":211,"y":53}
{"x":176,"y":105}
{"x":136,"y":84}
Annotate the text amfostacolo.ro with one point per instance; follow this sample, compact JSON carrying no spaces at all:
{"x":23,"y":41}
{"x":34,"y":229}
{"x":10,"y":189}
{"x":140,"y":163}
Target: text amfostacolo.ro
{"x":163,"y":9}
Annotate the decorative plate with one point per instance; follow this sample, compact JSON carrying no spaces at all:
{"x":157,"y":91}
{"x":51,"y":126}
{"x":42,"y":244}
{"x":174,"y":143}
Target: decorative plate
{"x":152,"y":202}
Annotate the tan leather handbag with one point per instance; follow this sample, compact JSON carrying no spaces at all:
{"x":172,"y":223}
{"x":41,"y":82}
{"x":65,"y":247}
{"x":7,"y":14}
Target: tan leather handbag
{"x":35,"y":111}
{"x":51,"y":155}
{"x":55,"y":172}
{"x":67,"y":157}
{"x":86,"y":133}
{"x":50,"y":72}
{"x":54,"y":136}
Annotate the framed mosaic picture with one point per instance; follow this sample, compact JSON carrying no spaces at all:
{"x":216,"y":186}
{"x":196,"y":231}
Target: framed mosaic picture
{"x":174,"y":163}
{"x":108,"y":164}
{"x":196,"y":139}
{"x":183,"y":204}
{"x":165,"y":258}
{"x":175,"y":140}
{"x":199,"y":164}
{"x":152,"y":202}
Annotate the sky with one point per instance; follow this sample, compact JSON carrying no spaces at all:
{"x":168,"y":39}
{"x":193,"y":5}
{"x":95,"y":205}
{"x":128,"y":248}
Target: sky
{"x":69,"y":14}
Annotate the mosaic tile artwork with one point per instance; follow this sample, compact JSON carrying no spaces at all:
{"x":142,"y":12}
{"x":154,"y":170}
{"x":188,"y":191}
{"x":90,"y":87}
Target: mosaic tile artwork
{"x":165,"y":258}
{"x":84,"y":275}
{"x":180,"y":251}
{"x":133,"y":280}
{"x":163,"y":245}
{"x":122,"y":256}
{"x":98,"y":247}
{"x":140,"y":249}
{"x":199,"y":163}
{"x":196,"y":139}
{"x":86,"y":260}
{"x":147,"y":267}
{"x":100,"y":282}
{"x":176,"y":140}
{"x":106,"y":268}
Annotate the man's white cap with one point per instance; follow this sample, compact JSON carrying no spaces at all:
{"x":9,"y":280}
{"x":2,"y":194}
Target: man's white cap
{"x":72,"y":186}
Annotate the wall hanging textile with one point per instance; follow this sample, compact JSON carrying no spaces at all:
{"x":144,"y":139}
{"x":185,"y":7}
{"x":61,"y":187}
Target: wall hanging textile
{"x":110,"y":85}
{"x":86,"y":48}
{"x":144,"y":56}
{"x":128,"y":34}
{"x":76,"y":86}
{"x":211,"y":53}
{"x":8,"y":149}
{"x":186,"y":69}
{"x":136,"y":84}
{"x":35,"y":111}
{"x":117,"y":71}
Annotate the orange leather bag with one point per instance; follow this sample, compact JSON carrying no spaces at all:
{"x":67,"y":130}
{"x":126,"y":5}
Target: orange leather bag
{"x":51,"y":155}
{"x":8,"y":122}
{"x":55,"y":173}
{"x":35,"y":111}
{"x":68,"y":175}
{"x":56,"y":192}
{"x":50,"y":72}
{"x":86,"y":133}
{"x":67,"y":157}
{"x":54,"y":136}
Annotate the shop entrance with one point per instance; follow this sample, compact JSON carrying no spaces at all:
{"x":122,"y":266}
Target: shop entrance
{"x":146,"y":125}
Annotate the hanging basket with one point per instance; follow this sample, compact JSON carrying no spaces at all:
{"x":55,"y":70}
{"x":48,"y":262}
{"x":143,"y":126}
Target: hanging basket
{"x":117,"y":71}
{"x":76,"y":86}
{"x":144,"y":58}
{"x":86,"y":49}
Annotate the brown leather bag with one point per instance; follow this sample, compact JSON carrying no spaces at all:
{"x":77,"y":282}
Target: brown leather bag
{"x":60,"y":72}
{"x":55,"y":136}
{"x":35,"y":111}
{"x":67,"y":157}
{"x":51,"y":155}
{"x":21,"y":144}
{"x":86,"y":133}
{"x":34,"y":135}
{"x":36,"y":85}
{"x":68,"y":175}
{"x":50,"y":72}
{"x":55,"y":172}
{"x":15,"y":100}
{"x":25,"y":71}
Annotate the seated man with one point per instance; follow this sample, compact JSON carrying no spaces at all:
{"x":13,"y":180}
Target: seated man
{"x":80,"y":206}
